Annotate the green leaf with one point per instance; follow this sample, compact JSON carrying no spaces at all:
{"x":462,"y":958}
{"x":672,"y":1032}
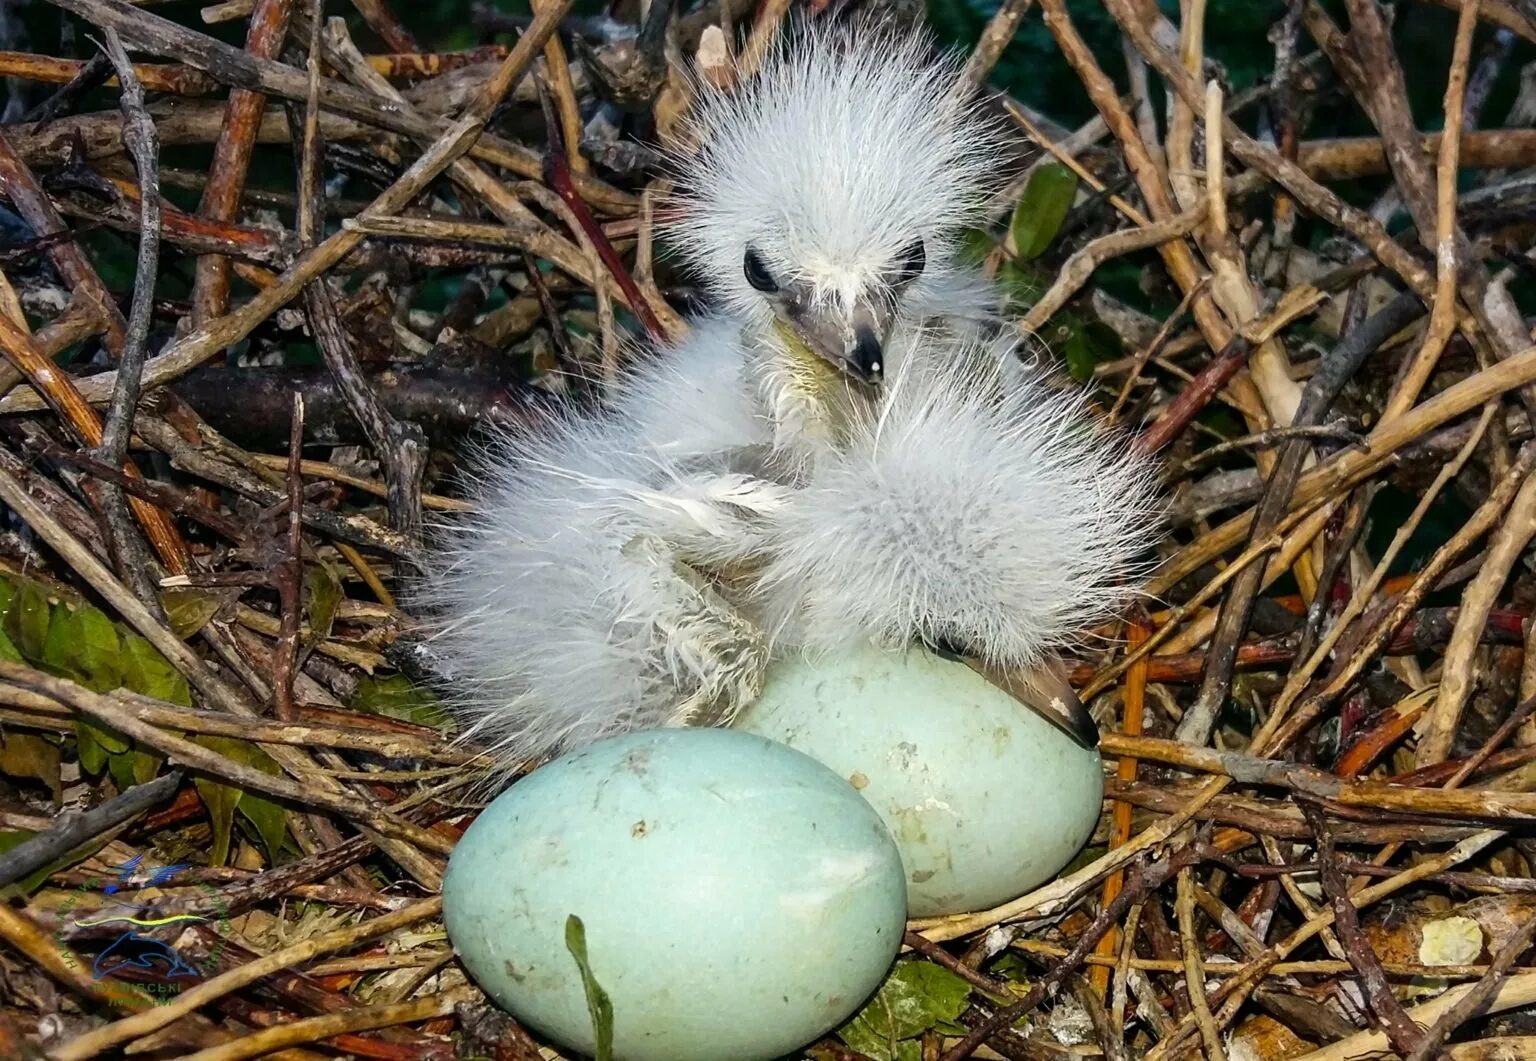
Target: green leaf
{"x":1042,"y":208}
{"x":100,"y":651}
{"x":1023,"y":284}
{"x":1011,"y":966}
{"x":58,"y":656}
{"x":322,"y":593}
{"x":133,"y":767}
{"x":1083,"y":344}
{"x":1078,"y":355}
{"x":8,"y":649}
{"x":975,"y":245}
{"x":96,"y":742}
{"x":398,"y":697}
{"x":83,"y":643}
{"x":270,"y":820}
{"x":147,"y":672}
{"x":1083,"y":858}
{"x":13,"y":838}
{"x":26,"y":620}
{"x":599,"y":1005}
{"x":189,"y":609}
{"x":916,"y":997}
{"x":93,"y":757}
{"x":222,"y":800}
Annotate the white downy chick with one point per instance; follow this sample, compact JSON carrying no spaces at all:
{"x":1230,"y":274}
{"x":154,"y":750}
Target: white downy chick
{"x":824,"y":210}
{"x":591,"y":591}
{"x":973,"y":511}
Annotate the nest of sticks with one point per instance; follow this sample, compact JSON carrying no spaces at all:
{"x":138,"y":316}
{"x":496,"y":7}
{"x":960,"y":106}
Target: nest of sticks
{"x":235,"y":379}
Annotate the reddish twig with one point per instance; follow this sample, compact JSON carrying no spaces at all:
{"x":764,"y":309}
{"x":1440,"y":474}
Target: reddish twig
{"x":557,"y":174}
{"x":1197,"y":395}
{"x":232,"y":157}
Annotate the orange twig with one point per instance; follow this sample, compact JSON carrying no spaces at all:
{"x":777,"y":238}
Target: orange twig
{"x":1135,"y":706}
{"x":59,"y":391}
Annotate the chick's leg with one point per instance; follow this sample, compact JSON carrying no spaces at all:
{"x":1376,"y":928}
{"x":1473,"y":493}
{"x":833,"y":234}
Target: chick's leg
{"x":716,"y":656}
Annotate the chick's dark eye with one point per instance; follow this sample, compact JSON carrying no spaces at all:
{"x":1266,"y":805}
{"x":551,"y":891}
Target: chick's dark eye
{"x":757,"y":273}
{"x":912,"y":261}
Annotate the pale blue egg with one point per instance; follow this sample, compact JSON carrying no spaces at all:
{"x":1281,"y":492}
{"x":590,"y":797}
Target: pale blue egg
{"x":985,"y":798}
{"x":739,"y":899}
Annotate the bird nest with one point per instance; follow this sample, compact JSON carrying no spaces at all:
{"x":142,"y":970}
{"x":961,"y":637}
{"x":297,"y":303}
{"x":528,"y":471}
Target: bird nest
{"x":235,"y":383}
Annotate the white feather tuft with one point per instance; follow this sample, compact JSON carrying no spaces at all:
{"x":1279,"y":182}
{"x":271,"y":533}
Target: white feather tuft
{"x":695,"y":400}
{"x":999,"y":519}
{"x":845,"y":147}
{"x":563,"y":610}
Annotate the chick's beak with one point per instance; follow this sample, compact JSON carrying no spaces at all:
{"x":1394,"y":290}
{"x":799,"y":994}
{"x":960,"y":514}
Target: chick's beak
{"x":853,"y":342}
{"x":1044,"y":689}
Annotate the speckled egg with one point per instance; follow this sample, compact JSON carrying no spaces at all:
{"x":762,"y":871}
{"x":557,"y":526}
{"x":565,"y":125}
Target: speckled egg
{"x":739,"y":899}
{"x":985,"y":798}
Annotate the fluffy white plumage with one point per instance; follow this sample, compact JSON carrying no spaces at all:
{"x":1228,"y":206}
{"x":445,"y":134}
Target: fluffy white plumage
{"x":973,"y":508}
{"x":637,"y":567}
{"x":564,"y":613}
{"x":847,"y":147}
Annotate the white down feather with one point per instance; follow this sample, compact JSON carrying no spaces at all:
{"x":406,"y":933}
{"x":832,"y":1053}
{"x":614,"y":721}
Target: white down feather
{"x":622,"y":568}
{"x":993,"y":517}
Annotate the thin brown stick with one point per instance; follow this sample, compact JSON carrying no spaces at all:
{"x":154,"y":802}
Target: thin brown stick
{"x":232,"y":157}
{"x":1080,"y":266}
{"x":128,"y":546}
{"x":128,"y":1029}
{"x":289,"y":576}
{"x":1194,"y":977}
{"x":1406,"y":1036}
{"x":989,"y":48}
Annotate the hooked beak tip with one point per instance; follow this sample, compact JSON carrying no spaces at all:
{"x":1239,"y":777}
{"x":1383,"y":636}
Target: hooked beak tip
{"x":867,"y":356}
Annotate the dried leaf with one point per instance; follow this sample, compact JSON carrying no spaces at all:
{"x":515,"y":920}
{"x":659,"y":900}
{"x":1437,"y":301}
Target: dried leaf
{"x":189,"y":609}
{"x":26,"y":755}
{"x":1453,"y":940}
{"x":1262,"y":1038}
